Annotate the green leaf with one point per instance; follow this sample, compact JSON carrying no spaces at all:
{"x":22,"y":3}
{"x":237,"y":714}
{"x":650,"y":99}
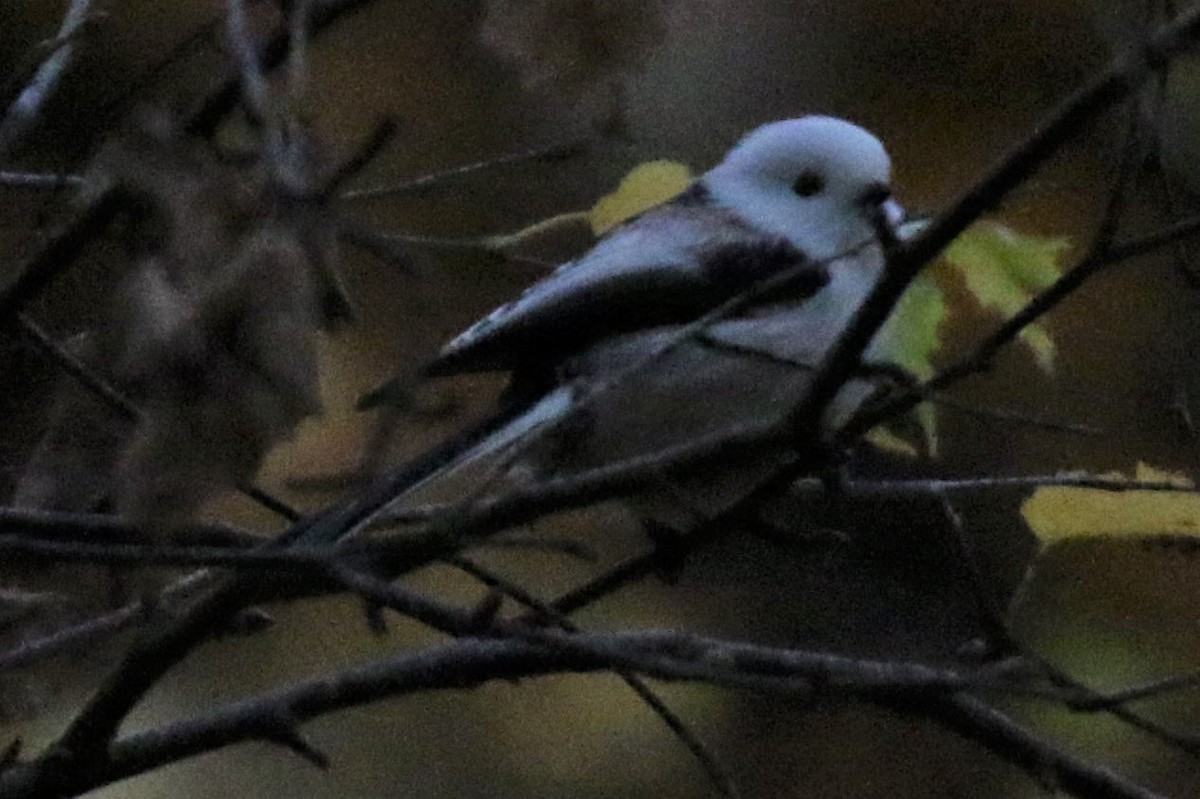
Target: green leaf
{"x":1003,"y":269}
{"x":911,"y":333}
{"x":912,"y":329}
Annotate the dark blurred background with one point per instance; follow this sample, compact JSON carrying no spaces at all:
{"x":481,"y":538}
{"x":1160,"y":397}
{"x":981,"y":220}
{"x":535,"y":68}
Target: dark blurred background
{"x":948,"y":87}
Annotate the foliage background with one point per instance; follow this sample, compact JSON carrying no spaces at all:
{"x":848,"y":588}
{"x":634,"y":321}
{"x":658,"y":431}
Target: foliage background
{"x":946,"y":88}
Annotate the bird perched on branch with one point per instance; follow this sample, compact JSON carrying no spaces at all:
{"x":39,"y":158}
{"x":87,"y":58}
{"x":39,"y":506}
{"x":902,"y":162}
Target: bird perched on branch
{"x":608,"y":361}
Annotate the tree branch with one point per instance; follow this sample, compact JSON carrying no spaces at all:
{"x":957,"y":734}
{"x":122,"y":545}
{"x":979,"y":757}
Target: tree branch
{"x":910,"y":687}
{"x":24,"y":111}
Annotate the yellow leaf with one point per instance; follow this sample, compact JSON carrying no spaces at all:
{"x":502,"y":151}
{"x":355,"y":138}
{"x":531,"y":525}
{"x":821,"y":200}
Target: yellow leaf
{"x":1059,"y":513}
{"x":1145,"y":473}
{"x":1003,"y":269}
{"x":898,"y":435}
{"x":911,"y":333}
{"x":927,"y":420}
{"x":912,"y":329}
{"x":1041,"y":345}
{"x":645,"y":186}
{"x":887,"y":441}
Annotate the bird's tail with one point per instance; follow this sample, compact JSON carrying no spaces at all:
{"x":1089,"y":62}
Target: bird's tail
{"x":485,"y":436}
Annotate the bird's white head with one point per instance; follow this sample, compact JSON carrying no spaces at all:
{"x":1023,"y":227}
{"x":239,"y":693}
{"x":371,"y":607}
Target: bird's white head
{"x":820,"y":182}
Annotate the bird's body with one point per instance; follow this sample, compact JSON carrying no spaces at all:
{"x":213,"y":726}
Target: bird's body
{"x":603,"y":340}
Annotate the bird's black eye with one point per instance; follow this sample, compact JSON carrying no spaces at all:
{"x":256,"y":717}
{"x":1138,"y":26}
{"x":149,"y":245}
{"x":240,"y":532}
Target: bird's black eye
{"x":808,"y":184}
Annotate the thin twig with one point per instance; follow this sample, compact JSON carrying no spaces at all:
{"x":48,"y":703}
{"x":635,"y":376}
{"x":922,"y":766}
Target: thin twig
{"x":375,"y":244}
{"x":607,"y":583}
{"x":1114,"y":207}
{"x":39,"y":180}
{"x":206,"y":33}
{"x":380,"y":137}
{"x":114,"y":398}
{"x":23,"y":112}
{"x":548,"y":152}
{"x":1087,"y":699}
{"x":84,"y":634}
{"x":256,"y":94}
{"x":991,"y":614}
{"x":559,"y":546}
{"x":1009,"y":415}
{"x":218,"y":105}
{"x":939,"y":399}
{"x":718,"y":774}
{"x":430,"y":612}
{"x":101,"y":529}
{"x":299,"y":14}
{"x":73,"y":365}
{"x":868,"y":488}
{"x":1106,"y":700}
{"x":975,"y":720}
{"x":931,"y":487}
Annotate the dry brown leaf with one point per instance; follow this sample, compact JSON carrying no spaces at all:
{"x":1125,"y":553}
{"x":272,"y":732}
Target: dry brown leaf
{"x":212,"y":332}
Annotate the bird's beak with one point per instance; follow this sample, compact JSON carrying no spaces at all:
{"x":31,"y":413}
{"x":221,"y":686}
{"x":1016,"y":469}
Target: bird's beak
{"x":893,"y":214}
{"x":885,"y":214}
{"x":888,"y":218}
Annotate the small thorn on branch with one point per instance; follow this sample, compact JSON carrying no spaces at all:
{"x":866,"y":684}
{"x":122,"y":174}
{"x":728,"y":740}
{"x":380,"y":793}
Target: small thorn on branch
{"x":376,"y":620}
{"x":11,"y":752}
{"x":284,"y":730}
{"x":250,"y":621}
{"x":379,"y":138}
{"x":484,"y":614}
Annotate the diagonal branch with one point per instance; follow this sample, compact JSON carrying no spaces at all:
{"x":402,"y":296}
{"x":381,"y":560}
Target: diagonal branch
{"x":716,"y":771}
{"x":23,"y":112}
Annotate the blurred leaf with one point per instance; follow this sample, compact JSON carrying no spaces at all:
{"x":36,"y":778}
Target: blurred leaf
{"x":1003,"y":269}
{"x":26,"y":616}
{"x":912,"y":329}
{"x":211,"y":332}
{"x":884,"y":439}
{"x":573,"y":44}
{"x":912,"y":335}
{"x":1060,"y":513}
{"x":645,"y":186}
{"x":578,"y":50}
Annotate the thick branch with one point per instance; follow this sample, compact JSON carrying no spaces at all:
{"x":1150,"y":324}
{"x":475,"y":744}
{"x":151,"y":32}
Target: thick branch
{"x":664,"y":655}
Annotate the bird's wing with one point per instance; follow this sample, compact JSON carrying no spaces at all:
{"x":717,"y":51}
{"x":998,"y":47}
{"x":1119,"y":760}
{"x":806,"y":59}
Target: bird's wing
{"x":670,"y":264}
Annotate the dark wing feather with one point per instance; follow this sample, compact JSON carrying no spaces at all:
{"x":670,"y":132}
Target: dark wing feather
{"x":668,"y":265}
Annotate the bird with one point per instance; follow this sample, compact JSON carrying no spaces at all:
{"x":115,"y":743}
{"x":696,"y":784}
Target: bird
{"x":603,"y":364}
